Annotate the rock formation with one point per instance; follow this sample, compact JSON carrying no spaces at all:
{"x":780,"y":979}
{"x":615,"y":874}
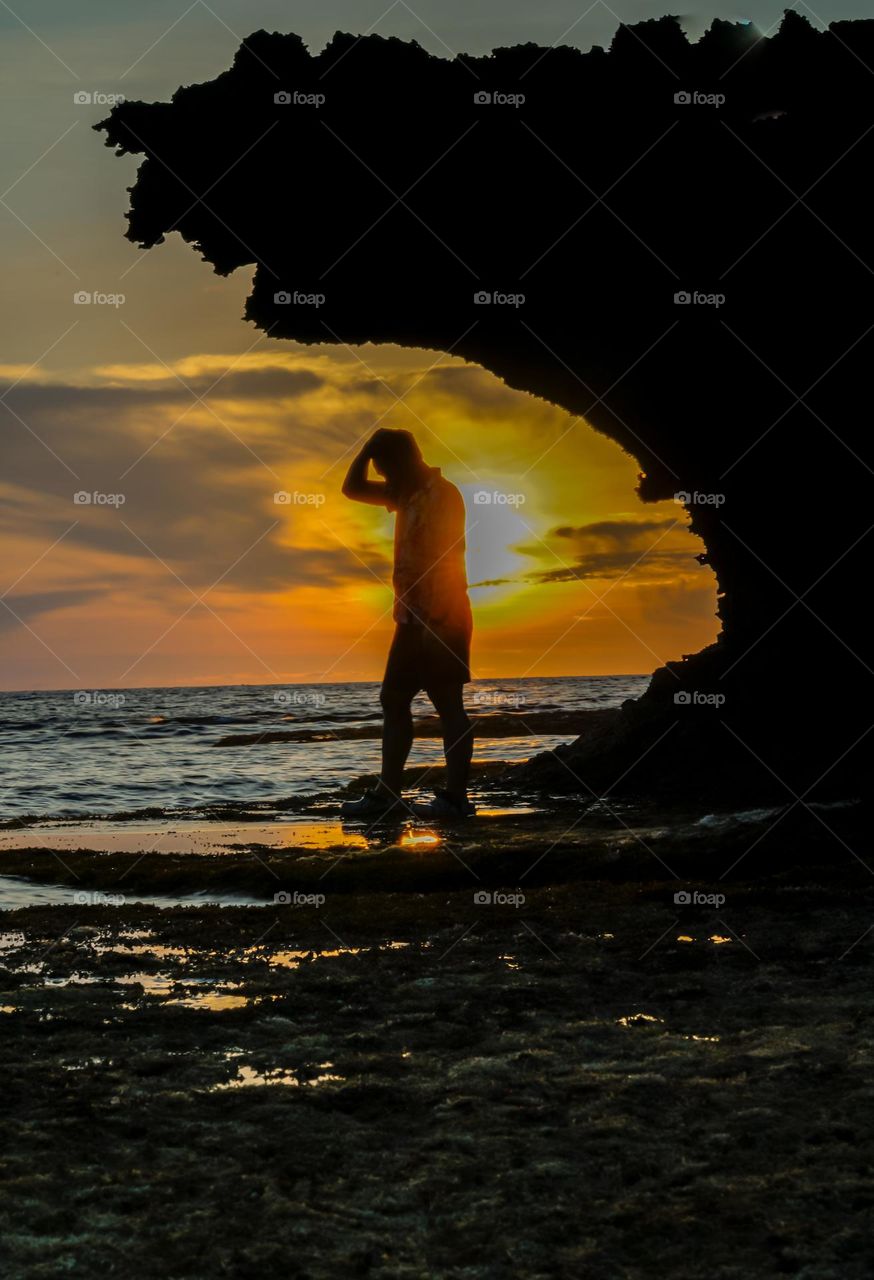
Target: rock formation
{"x":690,"y":227}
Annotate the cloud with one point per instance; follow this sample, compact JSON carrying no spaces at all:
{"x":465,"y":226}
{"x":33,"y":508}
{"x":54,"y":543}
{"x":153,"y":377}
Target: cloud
{"x":252,"y":384}
{"x":197,"y":486}
{"x":191,"y":492}
{"x":28,"y":606}
{"x":649,"y":549}
{"x":249,"y":384}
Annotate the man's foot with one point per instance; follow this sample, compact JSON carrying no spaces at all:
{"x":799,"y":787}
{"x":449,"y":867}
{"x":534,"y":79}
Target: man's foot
{"x":375,"y":804}
{"x":445,"y":806}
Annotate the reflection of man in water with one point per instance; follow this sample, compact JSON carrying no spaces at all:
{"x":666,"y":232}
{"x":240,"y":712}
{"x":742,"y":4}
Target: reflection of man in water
{"x":431,"y":645}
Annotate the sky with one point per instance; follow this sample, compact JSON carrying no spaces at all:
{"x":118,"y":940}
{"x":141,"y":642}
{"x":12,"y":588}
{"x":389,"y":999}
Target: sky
{"x":180,"y":423}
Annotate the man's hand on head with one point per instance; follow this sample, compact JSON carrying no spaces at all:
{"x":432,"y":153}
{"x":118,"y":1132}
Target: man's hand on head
{"x":357,"y":485}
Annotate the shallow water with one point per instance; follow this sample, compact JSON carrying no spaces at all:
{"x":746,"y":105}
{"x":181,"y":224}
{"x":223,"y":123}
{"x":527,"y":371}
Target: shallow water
{"x":232,"y":864}
{"x":167,"y":836}
{"x":235,"y":841}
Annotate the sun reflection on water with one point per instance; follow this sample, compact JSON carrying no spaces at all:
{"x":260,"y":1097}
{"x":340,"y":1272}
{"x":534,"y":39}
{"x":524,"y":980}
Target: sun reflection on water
{"x":418,"y":839}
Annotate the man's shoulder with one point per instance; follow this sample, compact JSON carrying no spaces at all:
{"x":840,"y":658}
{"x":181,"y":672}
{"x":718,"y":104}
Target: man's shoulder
{"x":436,"y":493}
{"x":446,"y":490}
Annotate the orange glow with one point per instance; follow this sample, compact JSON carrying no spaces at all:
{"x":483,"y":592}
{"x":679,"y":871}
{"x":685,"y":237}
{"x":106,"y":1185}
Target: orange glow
{"x":419,"y":839}
{"x":201,"y":576}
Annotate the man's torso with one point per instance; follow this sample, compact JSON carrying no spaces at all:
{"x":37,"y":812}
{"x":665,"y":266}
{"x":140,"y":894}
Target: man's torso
{"x":429,"y":579}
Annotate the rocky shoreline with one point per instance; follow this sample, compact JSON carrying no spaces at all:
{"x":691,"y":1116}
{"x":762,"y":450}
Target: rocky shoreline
{"x":559,"y":1073}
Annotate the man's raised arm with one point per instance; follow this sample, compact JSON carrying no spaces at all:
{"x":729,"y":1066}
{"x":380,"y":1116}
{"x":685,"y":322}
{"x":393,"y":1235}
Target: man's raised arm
{"x":357,"y":486}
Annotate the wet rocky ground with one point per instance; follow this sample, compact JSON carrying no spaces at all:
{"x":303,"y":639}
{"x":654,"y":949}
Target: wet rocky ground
{"x":498,"y":1069}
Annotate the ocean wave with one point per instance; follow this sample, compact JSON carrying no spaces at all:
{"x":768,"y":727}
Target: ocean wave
{"x":150,"y":752}
{"x":167,"y":724}
{"x":494,"y":725}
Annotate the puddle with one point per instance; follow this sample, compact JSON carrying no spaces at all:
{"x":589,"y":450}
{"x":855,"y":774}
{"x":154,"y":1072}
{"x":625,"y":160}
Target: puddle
{"x":247,"y":1077}
{"x":294,"y":959}
{"x":181,"y":837}
{"x":69,"y":980}
{"x":158,"y":950}
{"x":126,"y":944}
{"x":16,"y":891}
{"x":718,"y":939}
{"x":150,"y":990}
{"x":190,"y":992}
{"x":159,"y":983}
{"x":638,"y":1019}
{"x":153,"y":984}
{"x":510,"y":811}
{"x":208,"y":838}
{"x":418,"y":839}
{"x":215,"y":996}
{"x":214,"y":1000}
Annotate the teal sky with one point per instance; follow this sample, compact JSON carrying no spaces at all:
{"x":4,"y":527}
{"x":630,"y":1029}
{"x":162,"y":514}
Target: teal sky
{"x":63,"y":226}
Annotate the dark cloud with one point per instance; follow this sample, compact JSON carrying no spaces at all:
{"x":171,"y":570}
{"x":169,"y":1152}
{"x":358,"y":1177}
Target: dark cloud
{"x":618,"y":532}
{"x":26,"y":607}
{"x":274,"y":383}
{"x":199,"y":494}
{"x":608,"y":549}
{"x":271,"y":382}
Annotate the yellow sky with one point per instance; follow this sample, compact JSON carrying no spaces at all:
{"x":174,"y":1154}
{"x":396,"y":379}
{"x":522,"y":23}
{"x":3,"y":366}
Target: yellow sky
{"x":186,"y":570}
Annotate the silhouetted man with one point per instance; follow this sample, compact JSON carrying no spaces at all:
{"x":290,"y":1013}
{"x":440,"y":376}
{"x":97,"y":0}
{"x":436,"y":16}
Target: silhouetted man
{"x":431,"y":645}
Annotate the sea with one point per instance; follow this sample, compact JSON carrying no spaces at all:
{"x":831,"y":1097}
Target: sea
{"x":186,"y":752}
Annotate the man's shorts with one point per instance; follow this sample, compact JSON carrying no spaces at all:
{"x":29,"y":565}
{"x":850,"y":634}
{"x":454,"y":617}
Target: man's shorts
{"x":423,"y":658}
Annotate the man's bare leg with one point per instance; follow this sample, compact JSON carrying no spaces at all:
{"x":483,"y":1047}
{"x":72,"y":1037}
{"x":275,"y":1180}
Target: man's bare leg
{"x":397,"y":739}
{"x":457,"y":738}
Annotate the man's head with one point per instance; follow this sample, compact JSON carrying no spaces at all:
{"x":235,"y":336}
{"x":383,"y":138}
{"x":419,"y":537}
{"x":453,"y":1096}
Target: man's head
{"x":397,"y":457}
